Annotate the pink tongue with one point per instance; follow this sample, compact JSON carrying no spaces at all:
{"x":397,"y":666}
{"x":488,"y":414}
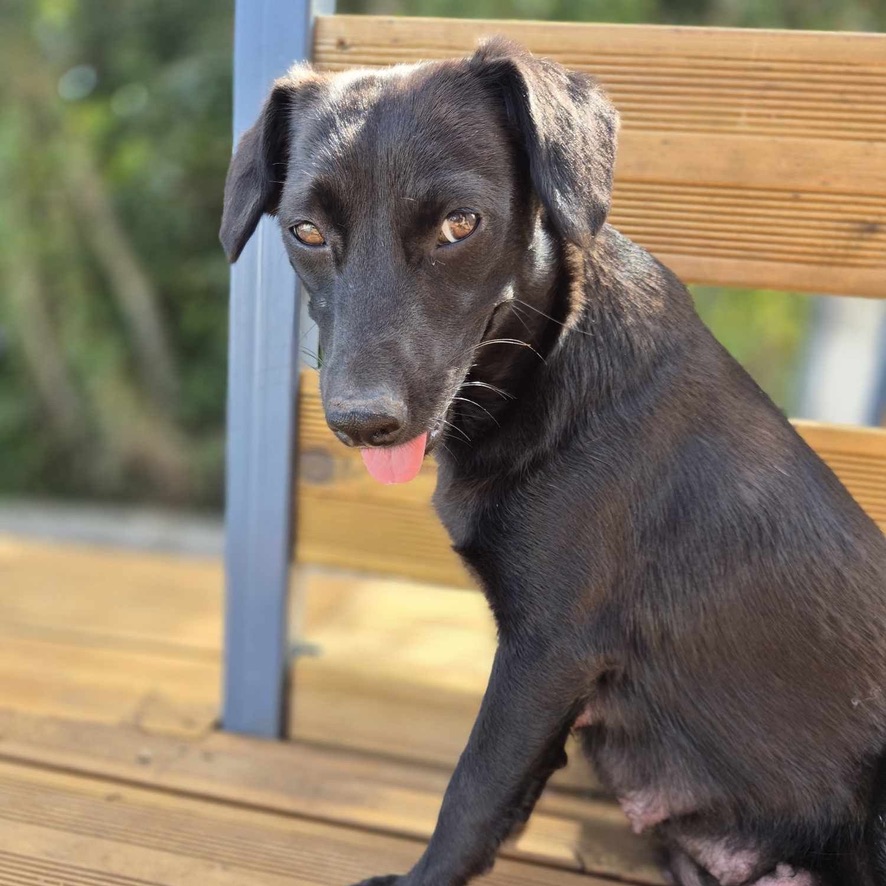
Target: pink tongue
{"x":396,"y":464}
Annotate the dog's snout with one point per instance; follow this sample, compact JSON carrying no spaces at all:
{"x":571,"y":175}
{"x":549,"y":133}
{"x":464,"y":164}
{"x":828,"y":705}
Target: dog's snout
{"x":367,"y":423}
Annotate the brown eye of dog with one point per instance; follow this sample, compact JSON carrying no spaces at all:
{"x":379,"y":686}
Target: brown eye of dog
{"x":458,"y":225}
{"x":308,"y":233}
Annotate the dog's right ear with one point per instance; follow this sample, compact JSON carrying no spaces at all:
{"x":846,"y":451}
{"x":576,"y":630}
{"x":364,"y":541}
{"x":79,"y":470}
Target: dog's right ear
{"x":568,"y":128}
{"x":258,"y":168}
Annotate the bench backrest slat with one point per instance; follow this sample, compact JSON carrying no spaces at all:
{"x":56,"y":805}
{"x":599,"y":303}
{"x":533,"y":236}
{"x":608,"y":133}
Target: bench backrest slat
{"x":747,"y":158}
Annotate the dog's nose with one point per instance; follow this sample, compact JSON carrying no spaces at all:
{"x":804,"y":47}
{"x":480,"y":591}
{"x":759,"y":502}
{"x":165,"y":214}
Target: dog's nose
{"x":374,"y":423}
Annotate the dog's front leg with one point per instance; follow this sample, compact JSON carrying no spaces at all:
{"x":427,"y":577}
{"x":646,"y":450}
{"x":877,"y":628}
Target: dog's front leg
{"x":516,"y":743}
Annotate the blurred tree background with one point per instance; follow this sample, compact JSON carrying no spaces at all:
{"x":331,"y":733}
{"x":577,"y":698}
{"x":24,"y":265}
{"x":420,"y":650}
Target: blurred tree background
{"x":114,"y":141}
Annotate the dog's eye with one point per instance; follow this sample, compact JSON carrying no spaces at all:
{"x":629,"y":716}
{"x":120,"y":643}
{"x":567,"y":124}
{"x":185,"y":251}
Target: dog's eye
{"x":457,"y":225}
{"x":307,"y":233}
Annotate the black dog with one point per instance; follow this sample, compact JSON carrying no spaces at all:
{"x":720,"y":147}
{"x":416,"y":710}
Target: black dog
{"x":671,"y":568}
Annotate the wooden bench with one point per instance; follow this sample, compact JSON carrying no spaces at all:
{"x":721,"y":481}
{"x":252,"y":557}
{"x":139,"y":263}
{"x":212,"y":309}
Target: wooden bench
{"x":747,"y":158}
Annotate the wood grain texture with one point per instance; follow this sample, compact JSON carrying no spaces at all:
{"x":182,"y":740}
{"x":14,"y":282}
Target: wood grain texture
{"x":109,"y":665}
{"x":249,"y":777}
{"x":113,"y":636}
{"x":347,"y":519}
{"x":383,"y":650}
{"x":858,"y":457}
{"x":92,"y":831}
{"x":747,"y":158}
{"x":133,"y":638}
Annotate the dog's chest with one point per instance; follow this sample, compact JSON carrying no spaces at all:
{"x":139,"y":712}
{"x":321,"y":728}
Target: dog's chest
{"x":478,"y":524}
{"x":495,"y":539}
{"x":463,"y":507}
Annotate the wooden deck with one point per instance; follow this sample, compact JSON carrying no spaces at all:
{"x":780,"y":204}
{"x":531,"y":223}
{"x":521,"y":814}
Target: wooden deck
{"x":112,"y":770}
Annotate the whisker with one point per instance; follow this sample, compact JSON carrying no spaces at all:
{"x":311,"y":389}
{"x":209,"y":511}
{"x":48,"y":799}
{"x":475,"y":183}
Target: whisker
{"x":454,"y":428}
{"x":548,"y":316}
{"x":448,"y":451}
{"x":489,"y":387}
{"x":511,"y":341}
{"x":315,"y":357}
{"x":518,"y":314}
{"x":474,"y":403}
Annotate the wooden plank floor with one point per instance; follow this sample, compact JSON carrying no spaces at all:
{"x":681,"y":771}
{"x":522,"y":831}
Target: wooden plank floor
{"x":112,"y":769}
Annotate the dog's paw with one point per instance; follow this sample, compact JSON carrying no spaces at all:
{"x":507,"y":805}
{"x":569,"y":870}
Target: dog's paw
{"x":390,"y":880}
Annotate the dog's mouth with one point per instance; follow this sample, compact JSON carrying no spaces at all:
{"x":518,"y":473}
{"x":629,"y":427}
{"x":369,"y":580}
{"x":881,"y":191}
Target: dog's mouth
{"x":396,"y":464}
{"x":402,"y":462}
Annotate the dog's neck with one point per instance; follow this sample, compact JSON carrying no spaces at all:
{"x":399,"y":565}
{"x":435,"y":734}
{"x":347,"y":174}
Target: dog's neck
{"x":605,"y":329}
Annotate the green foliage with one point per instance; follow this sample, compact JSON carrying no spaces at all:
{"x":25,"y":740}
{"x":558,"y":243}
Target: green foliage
{"x":137,"y":93}
{"x":114,"y":140}
{"x":858,"y":15}
{"x":764,"y":330}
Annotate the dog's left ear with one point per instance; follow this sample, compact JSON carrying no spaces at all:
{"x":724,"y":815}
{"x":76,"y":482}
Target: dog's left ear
{"x":259,"y":165}
{"x":569,"y":130}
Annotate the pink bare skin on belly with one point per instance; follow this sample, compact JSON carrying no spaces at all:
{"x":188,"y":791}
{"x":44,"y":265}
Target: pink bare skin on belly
{"x":785,"y":875}
{"x":730,"y":865}
{"x":729,"y":869}
{"x":644,"y":809}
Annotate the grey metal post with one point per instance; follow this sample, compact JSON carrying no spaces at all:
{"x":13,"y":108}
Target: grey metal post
{"x":262,"y":377}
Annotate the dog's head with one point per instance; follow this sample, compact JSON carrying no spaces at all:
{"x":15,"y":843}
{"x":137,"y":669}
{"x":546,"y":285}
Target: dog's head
{"x":416,"y":204}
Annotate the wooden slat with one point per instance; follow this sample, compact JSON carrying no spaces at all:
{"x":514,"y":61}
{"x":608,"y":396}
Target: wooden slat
{"x":381,"y":796}
{"x":747,"y":157}
{"x":88,"y":831}
{"x":160,"y":604}
{"x":50,"y":677}
{"x":129,"y":637}
{"x":858,"y":457}
{"x":347,"y":519}
{"x":379,"y":649}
